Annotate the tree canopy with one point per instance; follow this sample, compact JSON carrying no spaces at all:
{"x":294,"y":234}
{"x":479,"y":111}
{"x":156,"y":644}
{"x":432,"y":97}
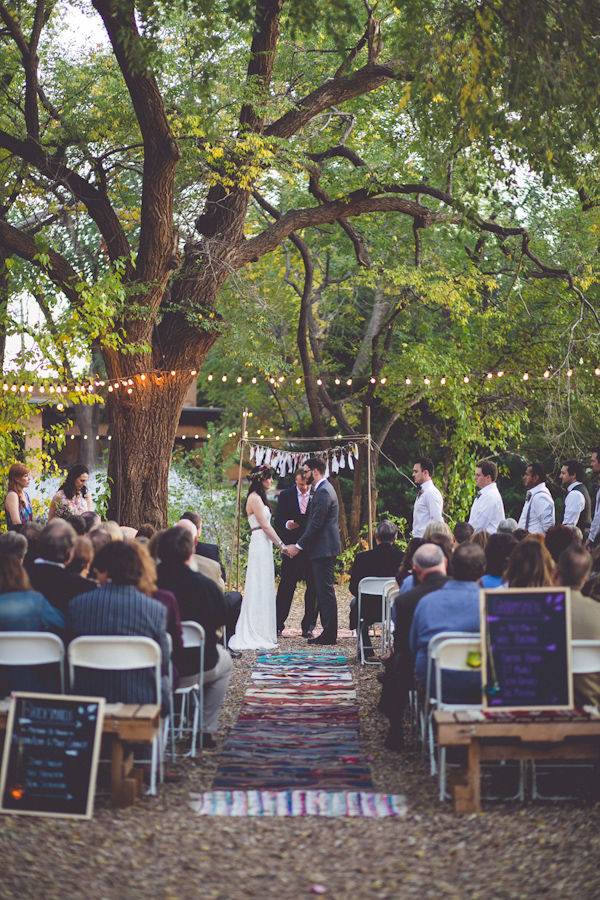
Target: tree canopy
{"x":203,"y":136}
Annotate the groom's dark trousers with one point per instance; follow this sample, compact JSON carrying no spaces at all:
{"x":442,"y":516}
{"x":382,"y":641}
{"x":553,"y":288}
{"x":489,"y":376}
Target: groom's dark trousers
{"x":321,"y":543}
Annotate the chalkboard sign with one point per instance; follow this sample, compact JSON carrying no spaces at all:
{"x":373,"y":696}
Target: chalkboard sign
{"x":526,"y":660}
{"x":50,"y":758}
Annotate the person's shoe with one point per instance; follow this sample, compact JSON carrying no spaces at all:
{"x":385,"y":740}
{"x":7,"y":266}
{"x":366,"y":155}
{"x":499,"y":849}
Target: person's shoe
{"x":279,"y":632}
{"x":234,"y":654}
{"x":319,"y":640}
{"x":308,"y":633}
{"x":207,"y":741}
{"x":381,"y":677}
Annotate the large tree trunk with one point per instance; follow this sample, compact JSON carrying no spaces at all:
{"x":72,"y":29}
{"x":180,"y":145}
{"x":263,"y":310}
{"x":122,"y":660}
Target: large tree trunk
{"x":144,"y":418}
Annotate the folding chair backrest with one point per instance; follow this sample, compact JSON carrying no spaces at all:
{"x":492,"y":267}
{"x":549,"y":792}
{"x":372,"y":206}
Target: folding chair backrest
{"x":193,"y":635}
{"x":116,"y":653}
{"x":32,"y":648}
{"x":372,"y":585}
{"x":451,"y":656}
{"x":585,"y":656}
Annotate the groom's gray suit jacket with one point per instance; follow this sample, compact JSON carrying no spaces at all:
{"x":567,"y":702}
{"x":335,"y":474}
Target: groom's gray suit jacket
{"x":322,"y":536}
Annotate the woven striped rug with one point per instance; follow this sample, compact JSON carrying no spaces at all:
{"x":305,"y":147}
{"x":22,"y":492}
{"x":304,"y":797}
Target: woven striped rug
{"x":294,"y":749}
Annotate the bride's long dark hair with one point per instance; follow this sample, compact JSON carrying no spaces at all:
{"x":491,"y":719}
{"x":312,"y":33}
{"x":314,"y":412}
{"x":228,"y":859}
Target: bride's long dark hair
{"x":257,"y":476}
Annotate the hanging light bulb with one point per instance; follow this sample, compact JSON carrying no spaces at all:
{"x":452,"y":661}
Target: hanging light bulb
{"x":526,"y":376}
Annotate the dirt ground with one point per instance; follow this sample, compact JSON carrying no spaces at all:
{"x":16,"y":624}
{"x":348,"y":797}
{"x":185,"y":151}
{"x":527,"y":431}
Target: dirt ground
{"x":160,"y":849}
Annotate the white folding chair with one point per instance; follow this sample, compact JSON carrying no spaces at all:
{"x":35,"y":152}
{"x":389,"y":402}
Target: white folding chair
{"x":373,"y":586}
{"x":193,"y":635}
{"x":390,"y":592}
{"x":430,"y":704}
{"x":33,"y":648}
{"x":451,"y":656}
{"x":121,"y":653}
{"x":585,"y":660}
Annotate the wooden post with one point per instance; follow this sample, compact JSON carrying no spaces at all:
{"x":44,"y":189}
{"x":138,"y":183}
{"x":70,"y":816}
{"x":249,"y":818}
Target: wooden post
{"x":235,"y":550}
{"x":369,"y":499}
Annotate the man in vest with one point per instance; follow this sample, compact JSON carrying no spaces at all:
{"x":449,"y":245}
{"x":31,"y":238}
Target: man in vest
{"x":578,"y":506}
{"x":594,"y":535}
{"x":538,"y":512}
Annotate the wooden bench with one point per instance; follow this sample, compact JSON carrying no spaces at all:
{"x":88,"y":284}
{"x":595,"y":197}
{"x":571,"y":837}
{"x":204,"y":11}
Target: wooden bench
{"x":126,"y":723}
{"x":576,"y":738}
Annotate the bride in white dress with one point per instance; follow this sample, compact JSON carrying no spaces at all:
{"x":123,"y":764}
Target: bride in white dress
{"x":256,"y":627}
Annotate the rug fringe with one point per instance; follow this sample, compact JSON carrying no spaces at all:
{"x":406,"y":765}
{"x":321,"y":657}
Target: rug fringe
{"x":331,"y":804}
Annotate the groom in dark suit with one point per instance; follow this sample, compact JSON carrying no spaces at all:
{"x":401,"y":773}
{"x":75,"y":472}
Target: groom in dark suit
{"x":321,"y":543}
{"x":290,"y":523}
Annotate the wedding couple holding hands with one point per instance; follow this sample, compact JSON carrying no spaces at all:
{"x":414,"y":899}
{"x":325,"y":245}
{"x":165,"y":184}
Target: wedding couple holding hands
{"x":261,"y":617}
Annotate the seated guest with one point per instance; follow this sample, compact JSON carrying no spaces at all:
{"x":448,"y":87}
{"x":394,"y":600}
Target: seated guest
{"x":558,"y":538}
{"x":83,"y":556}
{"x":13,"y":544}
{"x":405,"y":570}
{"x":146,"y":531}
{"x":529,"y":565}
{"x":117,"y":607}
{"x":91,"y":519}
{"x":480,"y":538}
{"x":430,"y":564}
{"x":383,"y":561}
{"x":206,"y":565}
{"x":508,"y":526}
{"x":453,"y":607}
{"x":497,"y":550}
{"x":22,"y":609}
{"x":462,"y":533}
{"x":147,"y":585}
{"x":31,"y":531}
{"x":207,"y":561}
{"x":78,"y":523}
{"x":210,"y":551}
{"x":577,"y":533}
{"x":572,"y":570}
{"x":433,"y":530}
{"x":48,"y":573}
{"x":199,"y":599}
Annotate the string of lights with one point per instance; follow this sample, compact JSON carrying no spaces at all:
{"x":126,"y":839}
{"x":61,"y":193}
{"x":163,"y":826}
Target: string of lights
{"x":95,"y":385}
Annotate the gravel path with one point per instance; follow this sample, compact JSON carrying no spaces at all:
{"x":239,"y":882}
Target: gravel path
{"x":160,"y":850}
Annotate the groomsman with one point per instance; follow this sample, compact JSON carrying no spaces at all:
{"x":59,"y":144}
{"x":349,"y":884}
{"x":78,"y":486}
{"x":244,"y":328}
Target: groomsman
{"x":289,"y":523}
{"x":578,"y":505}
{"x":538,"y":512}
{"x":488,"y":509}
{"x":594,"y":535}
{"x":429,"y":503}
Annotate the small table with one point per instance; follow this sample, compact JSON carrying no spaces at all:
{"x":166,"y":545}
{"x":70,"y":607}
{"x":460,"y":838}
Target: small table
{"x":125,"y":722}
{"x":492,"y":739}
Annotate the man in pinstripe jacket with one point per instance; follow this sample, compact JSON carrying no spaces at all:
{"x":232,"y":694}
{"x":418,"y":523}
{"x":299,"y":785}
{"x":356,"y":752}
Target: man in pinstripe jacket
{"x":118,"y":607}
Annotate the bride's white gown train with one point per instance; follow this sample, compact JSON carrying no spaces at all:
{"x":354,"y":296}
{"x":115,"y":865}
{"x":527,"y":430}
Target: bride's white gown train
{"x":256,"y":627}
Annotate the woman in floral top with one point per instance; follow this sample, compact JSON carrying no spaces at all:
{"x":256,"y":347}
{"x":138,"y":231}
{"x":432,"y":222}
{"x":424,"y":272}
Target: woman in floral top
{"x":73,"y":498}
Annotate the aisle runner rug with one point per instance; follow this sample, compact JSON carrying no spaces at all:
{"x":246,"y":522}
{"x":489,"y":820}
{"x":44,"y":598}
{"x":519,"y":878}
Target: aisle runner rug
{"x":294,"y":749}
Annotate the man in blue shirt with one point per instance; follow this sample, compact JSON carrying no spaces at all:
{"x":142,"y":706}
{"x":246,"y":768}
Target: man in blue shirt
{"x":454,"y":607}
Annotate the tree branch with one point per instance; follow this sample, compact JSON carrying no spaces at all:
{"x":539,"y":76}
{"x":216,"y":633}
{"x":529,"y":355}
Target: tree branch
{"x":58,"y":269}
{"x":161,"y":151}
{"x":98,"y":206}
{"x":335,"y":91}
{"x":356,"y":204}
{"x":262,"y":57}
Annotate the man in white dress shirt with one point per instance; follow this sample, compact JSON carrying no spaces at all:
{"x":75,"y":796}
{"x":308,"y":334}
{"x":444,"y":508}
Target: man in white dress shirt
{"x":578,"y":505}
{"x":538,"y":512}
{"x":488,"y":509}
{"x":429,"y":503}
{"x":594,"y":535}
